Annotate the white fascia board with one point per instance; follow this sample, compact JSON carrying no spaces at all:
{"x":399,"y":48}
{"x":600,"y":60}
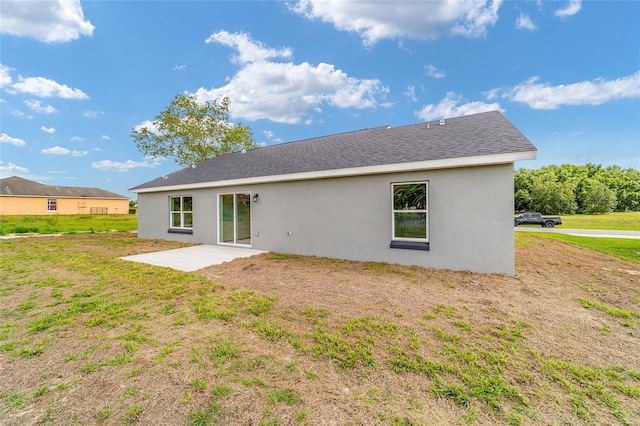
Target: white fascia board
{"x":448,"y":163}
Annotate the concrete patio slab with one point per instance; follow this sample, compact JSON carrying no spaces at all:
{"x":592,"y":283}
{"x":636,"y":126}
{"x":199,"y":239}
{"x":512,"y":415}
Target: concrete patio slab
{"x":192,"y":258}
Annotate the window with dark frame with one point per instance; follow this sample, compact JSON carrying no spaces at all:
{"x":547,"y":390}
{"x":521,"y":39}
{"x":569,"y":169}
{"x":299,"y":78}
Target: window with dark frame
{"x":52,"y":205}
{"x":410,"y":224}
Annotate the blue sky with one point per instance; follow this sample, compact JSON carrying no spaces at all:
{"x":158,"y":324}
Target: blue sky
{"x":77,"y":77}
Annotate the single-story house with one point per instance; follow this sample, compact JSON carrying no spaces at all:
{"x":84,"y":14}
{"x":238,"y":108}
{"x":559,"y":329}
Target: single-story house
{"x":435,"y":194}
{"x":20,"y":196}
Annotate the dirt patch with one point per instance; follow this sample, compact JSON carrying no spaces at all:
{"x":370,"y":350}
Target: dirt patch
{"x":269,"y":360}
{"x":550,"y":280}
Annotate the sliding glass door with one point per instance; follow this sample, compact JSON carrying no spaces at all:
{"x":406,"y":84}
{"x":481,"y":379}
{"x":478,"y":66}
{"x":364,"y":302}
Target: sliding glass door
{"x":234,"y":214}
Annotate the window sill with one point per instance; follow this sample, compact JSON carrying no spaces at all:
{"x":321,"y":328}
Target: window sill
{"x":180,"y":231}
{"x":410,"y":245}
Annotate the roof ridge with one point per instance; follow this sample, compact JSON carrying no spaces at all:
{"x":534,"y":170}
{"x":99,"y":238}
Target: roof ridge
{"x":475,"y":135}
{"x":27,"y":187}
{"x":311,"y":138}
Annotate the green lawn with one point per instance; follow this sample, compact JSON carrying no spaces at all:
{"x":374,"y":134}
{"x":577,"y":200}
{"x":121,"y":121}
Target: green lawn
{"x":67,"y":224}
{"x":628,"y":221}
{"x":74,"y":224}
{"x":624,"y":248}
{"x":627,"y":249}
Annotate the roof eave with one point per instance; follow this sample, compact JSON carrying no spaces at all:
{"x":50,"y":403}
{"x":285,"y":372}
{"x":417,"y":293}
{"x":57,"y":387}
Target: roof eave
{"x":447,"y":163}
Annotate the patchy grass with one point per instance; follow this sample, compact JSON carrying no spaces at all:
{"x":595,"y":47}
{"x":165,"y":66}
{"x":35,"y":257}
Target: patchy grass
{"x":276,"y":339}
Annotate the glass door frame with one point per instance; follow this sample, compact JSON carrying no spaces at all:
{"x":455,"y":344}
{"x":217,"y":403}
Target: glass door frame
{"x":238,"y":197}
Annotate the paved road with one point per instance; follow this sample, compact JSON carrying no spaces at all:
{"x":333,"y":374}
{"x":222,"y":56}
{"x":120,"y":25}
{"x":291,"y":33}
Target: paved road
{"x":583,"y":232}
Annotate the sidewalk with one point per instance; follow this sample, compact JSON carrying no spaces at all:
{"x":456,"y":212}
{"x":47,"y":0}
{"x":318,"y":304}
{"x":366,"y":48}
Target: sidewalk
{"x":601,"y":233}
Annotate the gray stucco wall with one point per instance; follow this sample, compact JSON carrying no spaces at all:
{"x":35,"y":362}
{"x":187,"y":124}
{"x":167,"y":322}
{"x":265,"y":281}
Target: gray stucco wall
{"x":470,"y":218}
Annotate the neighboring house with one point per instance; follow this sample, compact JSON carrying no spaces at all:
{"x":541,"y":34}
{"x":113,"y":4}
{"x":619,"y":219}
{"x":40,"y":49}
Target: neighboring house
{"x":20,"y":196}
{"x":436,"y":194}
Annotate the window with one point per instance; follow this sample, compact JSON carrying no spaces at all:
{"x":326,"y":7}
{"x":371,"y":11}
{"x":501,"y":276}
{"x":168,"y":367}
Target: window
{"x":181,"y":216}
{"x":410,"y":216}
{"x":52,"y":205}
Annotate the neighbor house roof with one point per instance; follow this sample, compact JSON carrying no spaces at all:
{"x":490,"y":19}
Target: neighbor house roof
{"x":484,"y":138}
{"x":19,"y":187}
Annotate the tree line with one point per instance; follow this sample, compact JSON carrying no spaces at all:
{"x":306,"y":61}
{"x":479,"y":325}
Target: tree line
{"x":569,"y":189}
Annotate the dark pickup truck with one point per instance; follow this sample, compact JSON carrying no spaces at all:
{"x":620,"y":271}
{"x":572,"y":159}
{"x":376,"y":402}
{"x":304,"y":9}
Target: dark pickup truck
{"x":536,"y":219}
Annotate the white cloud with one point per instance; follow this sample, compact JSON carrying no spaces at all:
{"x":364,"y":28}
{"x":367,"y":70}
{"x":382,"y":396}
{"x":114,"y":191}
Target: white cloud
{"x":76,"y":139}
{"x":248,"y":49}
{"x":571,"y":9}
{"x":270,"y":135}
{"x":18,"y":113}
{"x":47,"y":21}
{"x":49,"y":130}
{"x":477,"y":18}
{"x":434,"y":72}
{"x":92,"y":114}
{"x":118,"y":166}
{"x":11,"y":170}
{"x":284,"y":91}
{"x":5,"y":78}
{"x":411,"y":93}
{"x":377,"y":20}
{"x":57,"y":150}
{"x":180,"y":68}
{"x":46,"y":88}
{"x":149,"y":125}
{"x":448,"y":107}
{"x":595,"y":92}
{"x":402,"y":46}
{"x":4,"y":138}
{"x":38,"y":86}
{"x":492,"y":94}
{"x":524,"y":22}
{"x":60,"y":150}
{"x":105,"y":137}
{"x":35,"y":105}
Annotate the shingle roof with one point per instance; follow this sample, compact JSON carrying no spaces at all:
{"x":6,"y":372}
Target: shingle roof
{"x":18,"y":186}
{"x":480,"y":134}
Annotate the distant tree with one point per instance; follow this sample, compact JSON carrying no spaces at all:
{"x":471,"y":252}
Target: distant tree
{"x":599,"y":199}
{"x":410,"y":195}
{"x":626,"y":185}
{"x":192,"y":132}
{"x":566,"y":189}
{"x":522,"y":184}
{"x":548,"y":196}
